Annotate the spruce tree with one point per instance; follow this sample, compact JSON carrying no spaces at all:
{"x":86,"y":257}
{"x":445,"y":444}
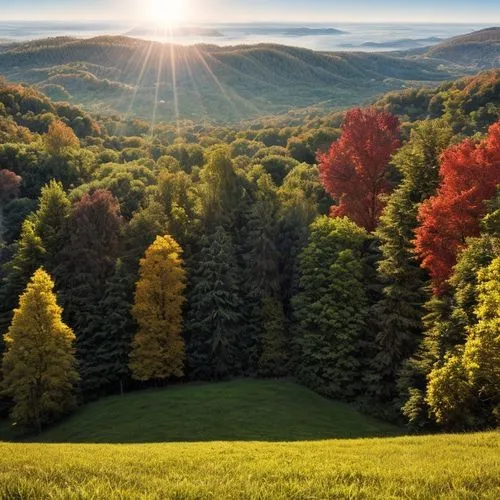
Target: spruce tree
{"x":158,"y":347}
{"x":39,"y":366}
{"x":114,"y":332}
{"x":400,"y":310}
{"x":214,"y":318}
{"x":331,"y":308}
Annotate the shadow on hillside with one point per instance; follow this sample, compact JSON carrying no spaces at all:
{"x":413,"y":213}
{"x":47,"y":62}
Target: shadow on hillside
{"x":243,"y":410}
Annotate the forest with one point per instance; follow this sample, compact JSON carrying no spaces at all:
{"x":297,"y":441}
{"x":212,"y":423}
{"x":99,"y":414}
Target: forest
{"x":356,"y":251}
{"x":208,"y":83}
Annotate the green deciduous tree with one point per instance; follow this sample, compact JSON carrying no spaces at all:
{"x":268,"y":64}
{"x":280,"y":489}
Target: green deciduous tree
{"x":331,"y":308}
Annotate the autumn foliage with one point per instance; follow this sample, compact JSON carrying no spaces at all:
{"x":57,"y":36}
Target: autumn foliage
{"x":158,"y":347}
{"x":9,"y":185}
{"x":39,"y":365}
{"x":470,"y":175}
{"x":59,"y":138}
{"x":354,"y":171}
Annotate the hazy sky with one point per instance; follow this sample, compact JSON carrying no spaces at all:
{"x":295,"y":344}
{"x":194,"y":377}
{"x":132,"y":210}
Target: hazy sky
{"x":327,"y":11}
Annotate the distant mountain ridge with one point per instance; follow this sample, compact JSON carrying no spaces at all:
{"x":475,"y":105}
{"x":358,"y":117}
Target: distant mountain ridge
{"x":119,"y":74}
{"x":480,"y":49}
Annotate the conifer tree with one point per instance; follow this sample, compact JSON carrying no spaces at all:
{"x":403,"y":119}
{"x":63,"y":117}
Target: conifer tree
{"x":28,"y":256}
{"x":260,"y":267}
{"x":92,"y":237}
{"x":49,"y":219}
{"x":274,"y":352}
{"x":331,"y":308}
{"x":400,"y":310}
{"x":39,"y":366}
{"x":115,"y":331}
{"x":214,"y":324}
{"x":158,"y":347}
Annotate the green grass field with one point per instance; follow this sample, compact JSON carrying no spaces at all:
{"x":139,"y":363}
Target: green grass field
{"x":254,"y":439}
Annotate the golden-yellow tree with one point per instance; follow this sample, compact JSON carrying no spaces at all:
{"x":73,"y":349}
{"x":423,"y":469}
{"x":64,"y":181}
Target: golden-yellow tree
{"x":158,"y":348}
{"x":60,"y":137}
{"x":39,"y":366}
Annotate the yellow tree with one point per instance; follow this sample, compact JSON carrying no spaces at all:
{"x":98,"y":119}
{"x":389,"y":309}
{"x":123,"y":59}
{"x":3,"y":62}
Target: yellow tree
{"x":39,"y":366}
{"x":158,"y":347}
{"x":60,"y":137}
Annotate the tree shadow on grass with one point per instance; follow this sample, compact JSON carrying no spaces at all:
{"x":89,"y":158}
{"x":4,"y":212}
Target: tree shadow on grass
{"x":242,"y":410}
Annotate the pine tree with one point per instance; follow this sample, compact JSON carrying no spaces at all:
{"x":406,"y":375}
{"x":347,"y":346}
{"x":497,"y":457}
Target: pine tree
{"x":260,"y":267}
{"x":214,"y":323}
{"x":39,"y":366}
{"x":331,"y":308}
{"x":158,"y":347}
{"x":274,"y":352}
{"x":400,"y":311}
{"x":114,"y":332}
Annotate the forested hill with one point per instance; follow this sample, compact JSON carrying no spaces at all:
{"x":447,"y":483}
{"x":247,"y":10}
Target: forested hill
{"x":480,"y":49}
{"x":121,"y":74}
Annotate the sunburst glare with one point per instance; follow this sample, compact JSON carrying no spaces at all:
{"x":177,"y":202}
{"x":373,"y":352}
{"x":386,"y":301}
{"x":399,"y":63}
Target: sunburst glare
{"x":168,"y":12}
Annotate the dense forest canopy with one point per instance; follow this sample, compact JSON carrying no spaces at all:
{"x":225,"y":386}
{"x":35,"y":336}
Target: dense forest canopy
{"x":303,"y":245}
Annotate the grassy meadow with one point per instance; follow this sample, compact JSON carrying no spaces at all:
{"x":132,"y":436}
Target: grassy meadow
{"x":446,"y":466}
{"x":242,"y":439}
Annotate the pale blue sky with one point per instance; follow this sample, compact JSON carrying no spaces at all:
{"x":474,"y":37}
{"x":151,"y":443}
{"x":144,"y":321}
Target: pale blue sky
{"x":452,"y":11}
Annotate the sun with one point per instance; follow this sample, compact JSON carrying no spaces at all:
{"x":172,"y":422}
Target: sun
{"x":168,"y":12}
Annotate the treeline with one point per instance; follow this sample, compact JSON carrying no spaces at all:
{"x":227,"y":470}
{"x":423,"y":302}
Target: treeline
{"x":208,"y":252}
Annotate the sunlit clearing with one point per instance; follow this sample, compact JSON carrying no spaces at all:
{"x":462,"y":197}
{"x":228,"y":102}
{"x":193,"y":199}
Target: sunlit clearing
{"x":168,"y":12}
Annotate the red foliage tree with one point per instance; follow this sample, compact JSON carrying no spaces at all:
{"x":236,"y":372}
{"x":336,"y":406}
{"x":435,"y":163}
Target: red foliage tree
{"x":470,"y":175}
{"x":354,"y":170}
{"x":9,"y":185}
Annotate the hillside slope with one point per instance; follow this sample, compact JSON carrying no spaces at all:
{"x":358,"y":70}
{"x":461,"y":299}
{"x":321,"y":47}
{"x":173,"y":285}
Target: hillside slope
{"x":433,"y":467}
{"x":480,"y":49}
{"x":241,"y":410}
{"x":121,"y":74}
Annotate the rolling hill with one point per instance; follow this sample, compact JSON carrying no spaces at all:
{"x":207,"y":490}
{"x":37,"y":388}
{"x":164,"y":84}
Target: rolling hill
{"x":240,"y":410}
{"x":128,"y":75}
{"x":480,"y":49}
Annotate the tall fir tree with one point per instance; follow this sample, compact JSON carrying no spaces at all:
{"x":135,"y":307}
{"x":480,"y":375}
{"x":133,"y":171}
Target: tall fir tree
{"x":400,"y":309}
{"x":115,"y":330}
{"x":331,"y":308}
{"x":158,"y":349}
{"x":214,"y":317}
{"x":261,"y":270}
{"x":39,"y":366}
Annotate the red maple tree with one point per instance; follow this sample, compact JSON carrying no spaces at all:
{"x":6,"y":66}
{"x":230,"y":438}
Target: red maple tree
{"x":354,"y":170}
{"x":470,"y":175}
{"x":9,"y":185}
